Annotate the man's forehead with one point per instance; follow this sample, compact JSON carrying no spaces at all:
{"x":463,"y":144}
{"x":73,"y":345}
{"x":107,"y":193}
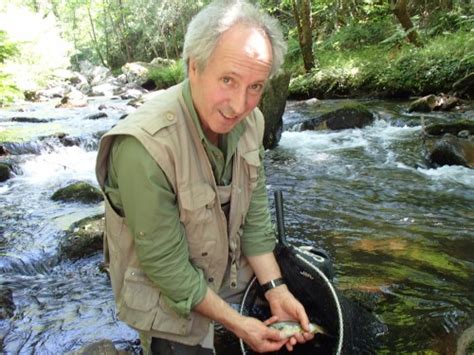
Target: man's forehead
{"x":249,"y":41}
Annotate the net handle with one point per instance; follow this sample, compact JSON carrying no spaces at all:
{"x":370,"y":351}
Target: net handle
{"x":280,"y":218}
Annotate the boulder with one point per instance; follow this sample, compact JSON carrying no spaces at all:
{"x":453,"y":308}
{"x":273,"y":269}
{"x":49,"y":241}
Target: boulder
{"x":102,"y":347}
{"x":5,"y":172}
{"x":83,"y":238}
{"x":78,"y":192}
{"x":106,"y":89}
{"x":273,"y":105}
{"x":452,"y":150}
{"x":137,"y":72}
{"x":7,"y":307}
{"x":74,"y":98}
{"x":349,"y":116}
{"x":450,"y":144}
{"x":434,"y":103}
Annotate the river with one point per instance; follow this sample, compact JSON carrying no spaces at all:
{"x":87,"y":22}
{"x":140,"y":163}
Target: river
{"x":400,"y":235}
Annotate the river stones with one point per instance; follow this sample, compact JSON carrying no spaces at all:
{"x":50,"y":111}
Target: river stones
{"x":450,"y":144}
{"x":352,"y":115}
{"x":83,"y":238}
{"x":78,"y":192}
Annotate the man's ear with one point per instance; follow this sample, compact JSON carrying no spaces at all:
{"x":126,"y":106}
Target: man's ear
{"x":192,"y":67}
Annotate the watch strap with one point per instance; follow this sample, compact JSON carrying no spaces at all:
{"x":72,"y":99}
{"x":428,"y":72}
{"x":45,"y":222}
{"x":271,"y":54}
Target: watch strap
{"x":272,"y":284}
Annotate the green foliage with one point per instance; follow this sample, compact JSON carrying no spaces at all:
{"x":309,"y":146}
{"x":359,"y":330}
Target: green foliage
{"x":8,"y":49}
{"x":8,"y":91}
{"x":447,"y":22}
{"x":359,"y":34}
{"x":392,"y":71}
{"x":167,"y":76}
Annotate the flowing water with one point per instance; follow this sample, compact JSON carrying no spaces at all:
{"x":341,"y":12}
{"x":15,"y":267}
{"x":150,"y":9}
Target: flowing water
{"x":400,"y":234}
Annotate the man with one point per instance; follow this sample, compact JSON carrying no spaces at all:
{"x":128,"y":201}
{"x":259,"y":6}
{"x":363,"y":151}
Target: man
{"x":187,"y":218}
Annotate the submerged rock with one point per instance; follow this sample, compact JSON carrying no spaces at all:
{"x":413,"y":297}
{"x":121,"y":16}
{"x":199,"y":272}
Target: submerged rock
{"x":83,"y":238}
{"x":7,"y":307}
{"x":5,"y":172}
{"x":78,"y":192}
{"x":349,"y":116}
{"x":102,"y":347}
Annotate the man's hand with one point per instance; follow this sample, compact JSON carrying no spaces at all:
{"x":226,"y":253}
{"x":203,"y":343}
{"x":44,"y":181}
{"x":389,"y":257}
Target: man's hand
{"x":286,"y":307}
{"x":253,"y":332}
{"x":259,"y":336}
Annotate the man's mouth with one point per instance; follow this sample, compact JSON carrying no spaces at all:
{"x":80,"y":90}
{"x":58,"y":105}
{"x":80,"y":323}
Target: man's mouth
{"x":228,"y":117}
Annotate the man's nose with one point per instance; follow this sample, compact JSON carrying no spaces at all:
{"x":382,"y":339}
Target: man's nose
{"x":238,"y":102}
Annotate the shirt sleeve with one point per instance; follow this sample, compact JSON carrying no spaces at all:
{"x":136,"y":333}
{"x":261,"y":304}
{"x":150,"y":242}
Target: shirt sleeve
{"x":138,"y":187}
{"x":258,"y":235}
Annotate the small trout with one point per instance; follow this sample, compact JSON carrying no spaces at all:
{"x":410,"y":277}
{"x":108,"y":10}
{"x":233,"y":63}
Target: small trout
{"x":290,"y":328}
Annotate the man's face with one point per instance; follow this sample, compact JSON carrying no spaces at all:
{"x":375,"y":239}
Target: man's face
{"x":232,"y":83}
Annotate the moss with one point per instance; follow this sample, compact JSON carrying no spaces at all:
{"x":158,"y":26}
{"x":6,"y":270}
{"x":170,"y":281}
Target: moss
{"x":78,"y":192}
{"x":83,"y":238}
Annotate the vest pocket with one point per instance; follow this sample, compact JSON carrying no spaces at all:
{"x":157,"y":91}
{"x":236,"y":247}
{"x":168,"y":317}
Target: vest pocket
{"x":252,"y":160}
{"x":197,"y":203}
{"x":168,"y":321}
{"x":139,"y":300}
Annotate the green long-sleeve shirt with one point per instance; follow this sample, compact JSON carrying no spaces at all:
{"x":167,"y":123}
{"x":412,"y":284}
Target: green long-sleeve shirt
{"x":139,"y":189}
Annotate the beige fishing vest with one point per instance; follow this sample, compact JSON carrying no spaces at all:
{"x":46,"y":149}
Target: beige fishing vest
{"x":165,"y":128}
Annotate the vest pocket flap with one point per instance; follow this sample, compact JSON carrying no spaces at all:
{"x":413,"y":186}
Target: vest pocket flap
{"x":197,"y":196}
{"x":138,"y":291}
{"x":252,"y":157}
{"x":168,"y":321}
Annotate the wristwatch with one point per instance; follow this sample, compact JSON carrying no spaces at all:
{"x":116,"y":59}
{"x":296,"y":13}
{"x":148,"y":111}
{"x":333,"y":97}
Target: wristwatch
{"x":272,"y":284}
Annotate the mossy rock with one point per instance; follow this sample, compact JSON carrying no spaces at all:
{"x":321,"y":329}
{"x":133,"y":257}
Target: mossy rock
{"x":101,"y":347}
{"x":78,"y":192}
{"x":4,"y":172}
{"x":273,"y":105}
{"x":83,"y":238}
{"x":353,"y":115}
{"x":454,"y":128}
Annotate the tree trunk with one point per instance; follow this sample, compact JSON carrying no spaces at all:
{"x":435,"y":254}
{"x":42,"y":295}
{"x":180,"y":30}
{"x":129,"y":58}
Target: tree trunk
{"x":302,"y":15}
{"x":94,"y":37}
{"x":399,"y":8}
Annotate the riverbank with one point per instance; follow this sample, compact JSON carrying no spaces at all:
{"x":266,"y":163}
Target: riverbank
{"x":395,"y":70}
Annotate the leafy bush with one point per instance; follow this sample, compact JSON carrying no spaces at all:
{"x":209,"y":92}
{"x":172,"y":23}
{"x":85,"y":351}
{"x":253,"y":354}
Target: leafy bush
{"x":8,"y":91}
{"x":360,"y":34}
{"x":444,"y":22}
{"x":400,"y":70}
{"x":167,"y":76}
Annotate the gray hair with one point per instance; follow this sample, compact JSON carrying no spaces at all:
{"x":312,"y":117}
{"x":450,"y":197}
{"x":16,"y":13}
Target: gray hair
{"x":209,"y":24}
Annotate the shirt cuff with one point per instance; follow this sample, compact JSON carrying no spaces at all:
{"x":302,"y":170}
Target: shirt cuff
{"x":184,"y":307}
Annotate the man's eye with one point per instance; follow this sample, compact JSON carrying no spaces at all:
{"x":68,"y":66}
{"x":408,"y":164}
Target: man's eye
{"x":257,"y":87}
{"x":226,"y":80}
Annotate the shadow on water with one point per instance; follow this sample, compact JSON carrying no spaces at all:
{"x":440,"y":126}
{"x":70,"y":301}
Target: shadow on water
{"x":400,"y":235}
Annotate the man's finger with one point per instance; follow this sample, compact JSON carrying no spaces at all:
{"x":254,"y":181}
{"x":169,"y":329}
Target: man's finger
{"x":271,"y":320}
